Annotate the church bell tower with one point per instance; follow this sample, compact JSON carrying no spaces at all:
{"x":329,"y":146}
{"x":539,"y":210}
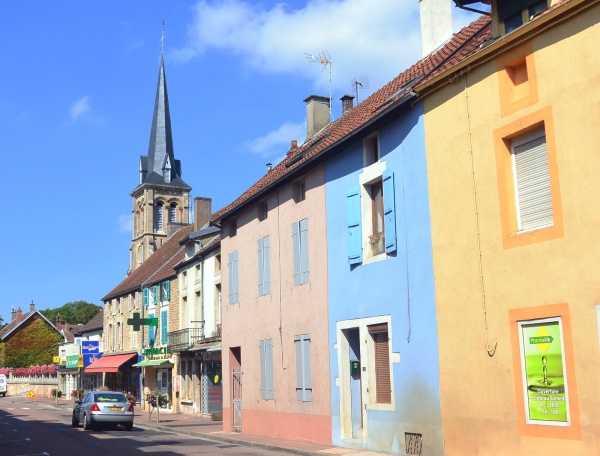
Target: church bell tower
{"x":161,"y":200}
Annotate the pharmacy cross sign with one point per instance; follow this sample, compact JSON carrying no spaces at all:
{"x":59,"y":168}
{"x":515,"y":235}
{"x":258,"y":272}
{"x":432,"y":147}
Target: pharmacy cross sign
{"x":136,"y":321}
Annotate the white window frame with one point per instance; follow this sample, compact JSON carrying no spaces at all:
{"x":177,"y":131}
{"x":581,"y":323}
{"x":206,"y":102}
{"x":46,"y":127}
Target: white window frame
{"x":369,"y":176}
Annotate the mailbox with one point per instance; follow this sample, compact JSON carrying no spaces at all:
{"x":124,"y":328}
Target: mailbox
{"x":354,"y":367}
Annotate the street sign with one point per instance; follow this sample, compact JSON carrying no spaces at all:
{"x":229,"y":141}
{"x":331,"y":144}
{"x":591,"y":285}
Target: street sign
{"x":136,"y":321}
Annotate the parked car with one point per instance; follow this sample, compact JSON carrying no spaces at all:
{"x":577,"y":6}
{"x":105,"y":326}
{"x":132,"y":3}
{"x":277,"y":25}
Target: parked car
{"x":103,"y":408}
{"x":3,"y":385}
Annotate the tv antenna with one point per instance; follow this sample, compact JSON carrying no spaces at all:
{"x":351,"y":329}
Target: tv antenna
{"x":325,"y":60}
{"x":359,"y":83}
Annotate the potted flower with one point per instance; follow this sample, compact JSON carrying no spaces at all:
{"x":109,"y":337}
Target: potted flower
{"x":131,"y":397}
{"x":157,"y":400}
{"x":55,"y":392}
{"x":77,"y":394}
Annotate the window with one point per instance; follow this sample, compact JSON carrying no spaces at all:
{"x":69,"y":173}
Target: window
{"x":383,"y":387}
{"x":371,"y":218}
{"x":158,"y":217}
{"x":145,"y":297}
{"x":121,"y":305}
{"x":151,"y":332}
{"x":371,"y":150}
{"x":267,"y":390}
{"x":172,"y":213}
{"x":299,"y":191}
{"x":114,"y":306}
{"x":533,"y":195}
{"x":264,"y":267}
{"x":300,"y":241}
{"x":233,"y":278}
{"x":164,"y":326}
{"x":133,"y":338}
{"x":514,"y":13}
{"x":119,"y":335}
{"x":303,"y":370}
{"x":165,"y":291}
{"x":114,"y":337}
{"x":232,"y":228}
{"x":262,"y":211}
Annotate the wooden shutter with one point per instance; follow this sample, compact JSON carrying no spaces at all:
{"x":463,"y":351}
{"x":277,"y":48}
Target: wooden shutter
{"x":304,"y":250}
{"x":168,"y":290}
{"x":233,"y":277}
{"x":353,"y":219}
{"x":267,"y":390}
{"x":303,"y":368}
{"x":164,"y":326}
{"x":296,"y":246}
{"x":263,"y":369}
{"x":267,"y":266}
{"x":151,"y":332}
{"x":383,"y":385}
{"x":532,"y":185}
{"x":389,"y":212}
{"x":260,"y":268}
{"x":145,"y":297}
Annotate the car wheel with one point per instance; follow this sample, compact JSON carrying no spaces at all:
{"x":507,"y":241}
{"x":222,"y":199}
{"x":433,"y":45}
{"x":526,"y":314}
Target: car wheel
{"x":128,"y":426}
{"x":74,"y":421}
{"x":87,"y":425}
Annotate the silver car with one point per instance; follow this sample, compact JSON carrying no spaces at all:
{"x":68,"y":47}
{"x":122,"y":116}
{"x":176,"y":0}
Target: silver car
{"x":103,"y":408}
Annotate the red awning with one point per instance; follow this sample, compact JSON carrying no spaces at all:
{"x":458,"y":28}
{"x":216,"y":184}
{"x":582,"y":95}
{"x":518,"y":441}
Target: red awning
{"x":109,"y":363}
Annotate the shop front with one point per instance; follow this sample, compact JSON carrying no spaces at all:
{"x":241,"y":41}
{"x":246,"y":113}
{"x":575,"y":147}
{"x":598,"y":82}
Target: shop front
{"x":118,"y":372}
{"x":157,"y":374}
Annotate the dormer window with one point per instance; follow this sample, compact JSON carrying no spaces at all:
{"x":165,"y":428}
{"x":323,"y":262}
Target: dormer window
{"x":514,"y":13}
{"x":167,"y":170}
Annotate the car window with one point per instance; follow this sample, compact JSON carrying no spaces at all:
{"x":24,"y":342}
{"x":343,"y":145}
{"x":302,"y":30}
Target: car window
{"x":86,"y":398}
{"x":110,"y":397}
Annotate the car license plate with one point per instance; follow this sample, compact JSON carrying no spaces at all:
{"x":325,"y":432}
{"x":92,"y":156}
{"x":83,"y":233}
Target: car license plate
{"x":114,"y":409}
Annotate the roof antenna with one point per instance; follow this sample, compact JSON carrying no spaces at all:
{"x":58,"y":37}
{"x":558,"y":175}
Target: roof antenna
{"x":362,"y":82}
{"x":325,"y":60}
{"x":162,"y":38}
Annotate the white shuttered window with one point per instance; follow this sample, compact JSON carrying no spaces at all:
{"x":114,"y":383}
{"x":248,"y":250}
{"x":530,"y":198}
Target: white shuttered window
{"x":532,"y":182}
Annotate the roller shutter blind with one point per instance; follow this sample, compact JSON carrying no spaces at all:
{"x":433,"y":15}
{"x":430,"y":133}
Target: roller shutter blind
{"x":383,"y":386}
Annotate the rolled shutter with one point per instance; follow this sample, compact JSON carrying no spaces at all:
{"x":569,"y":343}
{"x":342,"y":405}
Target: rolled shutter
{"x":533,"y":190}
{"x":354,"y":227}
{"x":389,"y":212}
{"x":383,"y":384}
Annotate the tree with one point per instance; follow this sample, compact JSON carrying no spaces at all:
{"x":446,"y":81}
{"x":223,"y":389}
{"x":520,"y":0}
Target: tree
{"x":33,"y":345}
{"x":74,"y":313}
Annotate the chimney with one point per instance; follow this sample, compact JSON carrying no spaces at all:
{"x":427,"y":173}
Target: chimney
{"x":58,"y":323}
{"x":202,"y":211}
{"x":13,"y":314}
{"x":269,"y":167}
{"x":19,"y":314}
{"x":347,"y":103}
{"x":436,"y":24}
{"x":66,"y":327}
{"x":317,"y":114}
{"x":31,"y":306}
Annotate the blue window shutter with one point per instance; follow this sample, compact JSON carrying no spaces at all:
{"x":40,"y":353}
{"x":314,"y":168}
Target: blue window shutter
{"x":296,"y":239}
{"x":151,"y":332}
{"x":260,"y":268}
{"x":269,"y":368}
{"x":307,"y":378}
{"x":236,"y":296}
{"x":389,"y":212}
{"x":267,"y":263}
{"x":304,"y":250}
{"x":145,"y":297}
{"x":164,"y":325}
{"x":263,"y":371}
{"x":354,"y":226}
{"x":156,"y":293}
{"x":299,"y":369}
{"x":230,"y":269}
{"x":168,"y":290}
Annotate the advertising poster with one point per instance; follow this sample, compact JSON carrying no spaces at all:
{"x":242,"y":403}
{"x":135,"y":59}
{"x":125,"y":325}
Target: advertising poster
{"x":90,"y":349}
{"x":545,"y":382}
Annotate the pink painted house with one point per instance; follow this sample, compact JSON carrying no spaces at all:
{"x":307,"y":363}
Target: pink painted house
{"x":275,"y":344}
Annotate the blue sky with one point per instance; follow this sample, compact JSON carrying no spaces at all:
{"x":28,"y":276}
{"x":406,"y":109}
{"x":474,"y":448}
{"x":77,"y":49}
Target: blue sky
{"x":78,"y":86}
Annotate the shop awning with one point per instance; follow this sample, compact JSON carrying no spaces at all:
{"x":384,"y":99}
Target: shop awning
{"x":109,"y":363}
{"x":153,"y":362}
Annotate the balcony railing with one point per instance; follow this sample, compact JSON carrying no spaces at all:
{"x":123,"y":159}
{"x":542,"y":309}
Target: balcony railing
{"x":186,"y":339}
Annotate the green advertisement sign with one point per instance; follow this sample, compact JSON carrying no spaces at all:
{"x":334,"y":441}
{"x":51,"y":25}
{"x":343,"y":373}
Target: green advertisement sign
{"x":546,"y":400}
{"x":72,"y":362}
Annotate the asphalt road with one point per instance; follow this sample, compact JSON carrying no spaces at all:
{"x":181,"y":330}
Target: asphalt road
{"x":36,"y":429}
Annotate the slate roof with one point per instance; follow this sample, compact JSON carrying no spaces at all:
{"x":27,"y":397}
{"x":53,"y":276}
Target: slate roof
{"x":385,"y":100}
{"x":97,"y":322}
{"x":157,"y":267}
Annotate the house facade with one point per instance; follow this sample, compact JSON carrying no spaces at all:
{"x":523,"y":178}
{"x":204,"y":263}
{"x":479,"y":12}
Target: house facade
{"x":513,"y":198}
{"x":274,"y":312}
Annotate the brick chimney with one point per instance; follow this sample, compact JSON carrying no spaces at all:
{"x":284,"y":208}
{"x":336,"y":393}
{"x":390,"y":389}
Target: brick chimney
{"x":347,"y":103}
{"x":202,"y":211}
{"x":58,"y":322}
{"x":436,"y":24}
{"x":19,"y":314}
{"x":317,"y":114}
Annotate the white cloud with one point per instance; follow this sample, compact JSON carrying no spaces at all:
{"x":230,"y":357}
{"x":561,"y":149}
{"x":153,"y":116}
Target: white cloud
{"x":274,"y":142}
{"x":79,"y":109}
{"x":124,"y":223}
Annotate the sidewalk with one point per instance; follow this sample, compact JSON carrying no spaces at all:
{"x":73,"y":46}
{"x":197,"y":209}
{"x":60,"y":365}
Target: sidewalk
{"x":203,"y":427}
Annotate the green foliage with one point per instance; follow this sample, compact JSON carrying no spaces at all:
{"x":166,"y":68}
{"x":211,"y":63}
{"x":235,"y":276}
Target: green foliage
{"x":35,"y":344}
{"x":73,"y":313}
